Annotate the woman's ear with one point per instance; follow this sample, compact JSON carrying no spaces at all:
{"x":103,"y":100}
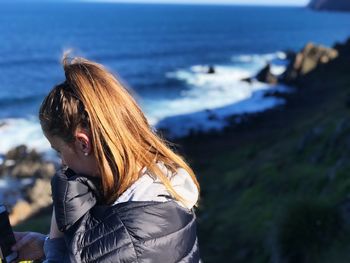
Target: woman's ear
{"x":83,"y":142}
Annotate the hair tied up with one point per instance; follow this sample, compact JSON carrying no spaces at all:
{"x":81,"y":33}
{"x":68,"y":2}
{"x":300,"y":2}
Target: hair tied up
{"x":67,"y":58}
{"x":122,"y":140}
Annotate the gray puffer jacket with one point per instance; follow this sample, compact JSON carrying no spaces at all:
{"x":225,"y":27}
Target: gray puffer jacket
{"x":135,"y":231}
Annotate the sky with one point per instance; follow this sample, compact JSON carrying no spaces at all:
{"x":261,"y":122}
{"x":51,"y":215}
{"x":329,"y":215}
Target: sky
{"x":240,"y":2}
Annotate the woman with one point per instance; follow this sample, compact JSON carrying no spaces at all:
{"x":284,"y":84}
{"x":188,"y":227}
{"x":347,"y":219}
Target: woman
{"x":124,"y":195}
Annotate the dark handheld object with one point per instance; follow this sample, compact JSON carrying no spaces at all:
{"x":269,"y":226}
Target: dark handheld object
{"x":7,"y":238}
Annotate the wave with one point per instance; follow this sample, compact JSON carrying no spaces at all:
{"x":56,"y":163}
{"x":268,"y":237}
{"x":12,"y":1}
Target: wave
{"x":15,"y":132}
{"x":204,"y":91}
{"x":198,"y":75}
{"x":206,"y":95}
{"x":249,"y":58}
{"x":278,"y":61}
{"x":222,"y":94}
{"x":217,"y":119}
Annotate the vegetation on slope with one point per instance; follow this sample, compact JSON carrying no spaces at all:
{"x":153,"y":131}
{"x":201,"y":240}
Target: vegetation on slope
{"x":276,"y":188}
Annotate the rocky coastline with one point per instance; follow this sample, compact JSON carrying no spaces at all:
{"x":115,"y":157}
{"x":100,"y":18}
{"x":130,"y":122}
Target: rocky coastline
{"x":300,"y":64}
{"x":331,"y":5}
{"x":284,"y":162}
{"x":25,"y":183}
{"x":267,"y":180}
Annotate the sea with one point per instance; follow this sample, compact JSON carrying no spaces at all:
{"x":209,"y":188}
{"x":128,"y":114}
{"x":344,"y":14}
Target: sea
{"x":161,"y":52}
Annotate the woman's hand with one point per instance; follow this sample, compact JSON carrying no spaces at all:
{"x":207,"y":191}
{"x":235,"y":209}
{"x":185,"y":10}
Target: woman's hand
{"x":29,"y":245}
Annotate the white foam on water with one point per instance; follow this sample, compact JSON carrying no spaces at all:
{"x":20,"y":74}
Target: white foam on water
{"x":281,"y":55}
{"x":206,"y":91}
{"x":259,"y":58}
{"x":211,"y":98}
{"x":216,"y":119}
{"x":219,"y":94}
{"x":14,"y":132}
{"x":277,"y":69}
{"x":278,"y":61}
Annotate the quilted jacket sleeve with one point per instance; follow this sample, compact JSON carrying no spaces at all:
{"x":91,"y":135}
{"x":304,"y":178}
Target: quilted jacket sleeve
{"x":55,"y":250}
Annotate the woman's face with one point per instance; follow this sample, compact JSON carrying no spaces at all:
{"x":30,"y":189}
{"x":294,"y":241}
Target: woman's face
{"x":76,"y":155}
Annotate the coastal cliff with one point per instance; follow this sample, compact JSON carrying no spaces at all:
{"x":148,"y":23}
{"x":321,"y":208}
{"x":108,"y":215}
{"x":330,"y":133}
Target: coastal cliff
{"x":334,"y":5}
{"x":276,"y":188}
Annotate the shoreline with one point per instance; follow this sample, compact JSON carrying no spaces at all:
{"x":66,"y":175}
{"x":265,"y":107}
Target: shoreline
{"x":298,"y":95}
{"x":227,"y":83}
{"x":254,"y":174}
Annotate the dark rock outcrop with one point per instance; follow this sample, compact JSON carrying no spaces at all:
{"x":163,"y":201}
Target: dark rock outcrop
{"x":21,"y":162}
{"x":28,"y":177}
{"x":248,"y":80}
{"x":211,"y":69}
{"x":307,"y":60}
{"x":266,"y":76}
{"x":290,"y":54}
{"x":343,"y":48}
{"x":39,"y":194}
{"x":301,"y":63}
{"x":32,"y":199}
{"x":334,"y":5}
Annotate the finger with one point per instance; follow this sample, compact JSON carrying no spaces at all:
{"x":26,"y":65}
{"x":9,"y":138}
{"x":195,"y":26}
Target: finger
{"x":19,"y":235}
{"x":22,"y":242}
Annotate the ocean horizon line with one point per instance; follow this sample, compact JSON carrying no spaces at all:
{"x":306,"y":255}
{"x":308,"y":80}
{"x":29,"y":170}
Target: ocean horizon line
{"x":140,"y":2}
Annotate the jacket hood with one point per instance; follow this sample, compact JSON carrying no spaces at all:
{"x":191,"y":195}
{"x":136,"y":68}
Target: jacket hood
{"x":150,"y":188}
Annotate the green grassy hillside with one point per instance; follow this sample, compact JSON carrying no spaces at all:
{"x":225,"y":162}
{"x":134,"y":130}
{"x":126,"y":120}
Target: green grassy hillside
{"x":275,"y":189}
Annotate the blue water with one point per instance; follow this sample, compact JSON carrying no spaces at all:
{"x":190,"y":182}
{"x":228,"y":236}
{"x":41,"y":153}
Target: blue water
{"x":148,"y":46}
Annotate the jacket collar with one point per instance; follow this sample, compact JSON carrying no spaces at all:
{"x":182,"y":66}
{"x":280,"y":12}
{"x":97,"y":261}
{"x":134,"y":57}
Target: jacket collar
{"x":73,"y":195}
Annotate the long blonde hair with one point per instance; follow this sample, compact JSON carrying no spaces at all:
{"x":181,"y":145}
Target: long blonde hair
{"x":94,"y":99}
